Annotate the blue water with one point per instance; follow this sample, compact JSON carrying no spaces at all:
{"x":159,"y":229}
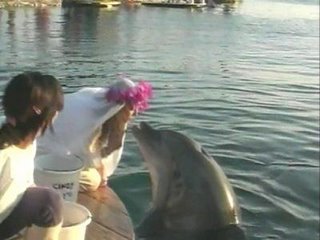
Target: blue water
{"x":242,"y":80}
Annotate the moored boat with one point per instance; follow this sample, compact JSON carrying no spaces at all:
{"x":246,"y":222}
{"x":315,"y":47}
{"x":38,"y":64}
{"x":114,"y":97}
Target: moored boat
{"x":94,"y":3}
{"x":175,"y":4}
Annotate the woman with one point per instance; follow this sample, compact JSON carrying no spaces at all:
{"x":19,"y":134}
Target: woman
{"x":92,"y":127}
{"x":30,"y":101}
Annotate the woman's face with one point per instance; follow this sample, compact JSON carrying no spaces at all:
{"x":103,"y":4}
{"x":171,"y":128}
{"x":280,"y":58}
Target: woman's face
{"x":130,"y":111}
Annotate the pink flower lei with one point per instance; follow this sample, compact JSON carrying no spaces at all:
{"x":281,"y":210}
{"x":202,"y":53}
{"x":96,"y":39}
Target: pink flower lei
{"x":137,"y":95}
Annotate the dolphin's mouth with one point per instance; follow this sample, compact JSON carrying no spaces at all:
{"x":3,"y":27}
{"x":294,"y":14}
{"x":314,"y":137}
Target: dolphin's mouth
{"x":139,"y":130}
{"x":136,"y":129}
{"x":141,"y":135}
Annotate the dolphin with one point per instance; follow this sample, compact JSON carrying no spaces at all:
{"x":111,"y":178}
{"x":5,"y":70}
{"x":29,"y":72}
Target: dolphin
{"x":192,"y":199}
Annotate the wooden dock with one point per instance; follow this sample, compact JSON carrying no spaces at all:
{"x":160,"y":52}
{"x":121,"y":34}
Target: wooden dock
{"x":110,"y":219}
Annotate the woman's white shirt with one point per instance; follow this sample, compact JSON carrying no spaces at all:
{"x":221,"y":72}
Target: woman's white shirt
{"x":16,"y":175}
{"x":83,"y":113}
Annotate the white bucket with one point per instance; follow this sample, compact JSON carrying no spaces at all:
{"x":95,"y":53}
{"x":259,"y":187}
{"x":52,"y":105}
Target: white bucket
{"x":62,"y":174}
{"x":75,"y":220}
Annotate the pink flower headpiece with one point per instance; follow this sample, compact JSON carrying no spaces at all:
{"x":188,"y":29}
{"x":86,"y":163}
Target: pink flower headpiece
{"x":126,"y":91}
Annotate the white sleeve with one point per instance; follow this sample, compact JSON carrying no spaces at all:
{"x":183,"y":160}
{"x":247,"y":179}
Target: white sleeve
{"x":9,"y":189}
{"x":5,"y":175}
{"x":110,"y":163}
{"x":16,"y":175}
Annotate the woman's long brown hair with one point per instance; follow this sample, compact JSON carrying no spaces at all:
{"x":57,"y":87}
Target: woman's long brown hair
{"x":112,"y":131}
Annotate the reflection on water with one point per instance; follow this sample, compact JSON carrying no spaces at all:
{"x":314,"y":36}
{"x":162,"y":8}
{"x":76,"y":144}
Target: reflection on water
{"x":242,"y":80}
{"x":80,"y":24}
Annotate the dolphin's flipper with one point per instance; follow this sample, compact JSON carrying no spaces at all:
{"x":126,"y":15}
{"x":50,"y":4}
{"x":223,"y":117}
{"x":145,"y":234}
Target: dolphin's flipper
{"x":151,"y":225}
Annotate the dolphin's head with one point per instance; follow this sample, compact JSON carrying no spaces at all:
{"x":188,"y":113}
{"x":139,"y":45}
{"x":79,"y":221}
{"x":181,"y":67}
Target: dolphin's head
{"x":158,"y":159}
{"x":189,"y":189}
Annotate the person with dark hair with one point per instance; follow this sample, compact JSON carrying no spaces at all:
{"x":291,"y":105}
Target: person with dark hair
{"x":31,"y":101}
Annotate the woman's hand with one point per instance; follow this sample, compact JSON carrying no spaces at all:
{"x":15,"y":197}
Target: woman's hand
{"x":90,"y":180}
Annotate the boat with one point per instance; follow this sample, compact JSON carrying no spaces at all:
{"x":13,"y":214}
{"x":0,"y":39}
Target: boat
{"x":108,"y":4}
{"x":94,"y":3}
{"x":175,"y":4}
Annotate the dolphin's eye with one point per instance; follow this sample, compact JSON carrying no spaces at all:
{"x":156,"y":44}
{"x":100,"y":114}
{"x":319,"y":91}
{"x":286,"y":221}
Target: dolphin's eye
{"x":176,"y":174}
{"x":177,"y":181}
{"x":157,"y":134}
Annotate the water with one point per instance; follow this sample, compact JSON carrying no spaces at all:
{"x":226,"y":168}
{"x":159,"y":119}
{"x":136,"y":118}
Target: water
{"x":243,"y":81}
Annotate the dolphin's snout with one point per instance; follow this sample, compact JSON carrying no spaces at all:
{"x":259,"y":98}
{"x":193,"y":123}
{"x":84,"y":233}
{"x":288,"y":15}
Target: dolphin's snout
{"x":140,"y":129}
{"x":143,"y":132}
{"x":145,"y":126}
{"x":135,"y":130}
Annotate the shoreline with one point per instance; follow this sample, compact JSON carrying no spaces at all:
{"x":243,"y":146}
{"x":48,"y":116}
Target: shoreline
{"x":29,"y":3}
